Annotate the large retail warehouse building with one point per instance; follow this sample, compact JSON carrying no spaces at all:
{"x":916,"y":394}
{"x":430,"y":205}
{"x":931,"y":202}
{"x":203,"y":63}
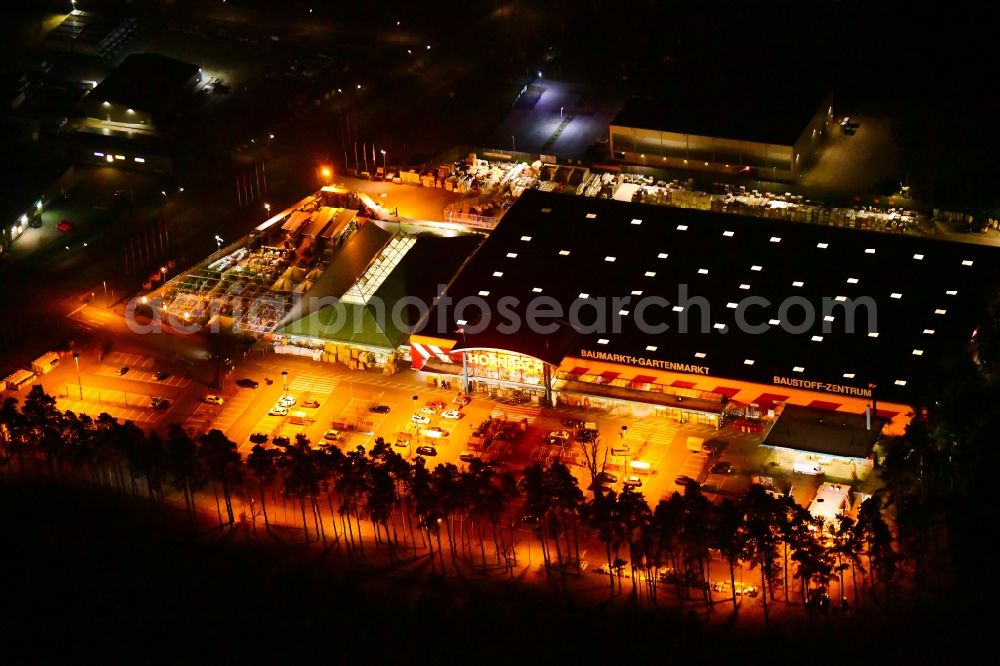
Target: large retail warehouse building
{"x":700,"y":316}
{"x":760,"y":131}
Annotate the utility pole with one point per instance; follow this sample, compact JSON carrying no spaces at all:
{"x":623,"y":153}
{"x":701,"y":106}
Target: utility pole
{"x":79,"y":383}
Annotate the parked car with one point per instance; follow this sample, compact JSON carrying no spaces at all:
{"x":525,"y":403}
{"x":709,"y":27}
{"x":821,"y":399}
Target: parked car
{"x":420,"y":419}
{"x":427,"y":451}
{"x":684,"y":480}
{"x":428,"y":410}
{"x":573,"y":424}
{"x":379,"y":409}
{"x":462,"y":400}
{"x":560,"y":434}
{"x":65,"y":226}
{"x":632,"y":481}
{"x":436,"y":404}
{"x":161,"y":375}
{"x":258,"y":438}
{"x":278,"y":410}
{"x":246,"y":382}
{"x":452,"y":414}
{"x":213,"y":399}
{"x":586,"y":436}
{"x":607,"y":477}
{"x":331,"y":435}
{"x":311,"y":403}
{"x":722,"y":467}
{"x":468,"y":456}
{"x":122,"y":370}
{"x":286,"y":400}
{"x":159,"y":403}
{"x":401,"y":443}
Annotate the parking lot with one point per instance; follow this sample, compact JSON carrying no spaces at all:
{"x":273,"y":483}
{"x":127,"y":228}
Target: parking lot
{"x":123,"y":406}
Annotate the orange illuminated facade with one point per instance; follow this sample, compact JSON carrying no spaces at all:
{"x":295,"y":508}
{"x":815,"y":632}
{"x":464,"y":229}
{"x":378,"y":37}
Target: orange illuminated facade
{"x":691,"y":396}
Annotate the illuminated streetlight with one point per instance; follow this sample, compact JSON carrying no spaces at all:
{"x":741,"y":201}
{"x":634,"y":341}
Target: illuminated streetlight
{"x":267,"y":207}
{"x":326,"y":172}
{"x":383,"y":159}
{"x":79,"y":384}
{"x":218,"y":242}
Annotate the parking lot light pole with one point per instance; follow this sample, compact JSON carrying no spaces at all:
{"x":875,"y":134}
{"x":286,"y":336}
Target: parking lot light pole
{"x":284,"y":382}
{"x":79,"y":384}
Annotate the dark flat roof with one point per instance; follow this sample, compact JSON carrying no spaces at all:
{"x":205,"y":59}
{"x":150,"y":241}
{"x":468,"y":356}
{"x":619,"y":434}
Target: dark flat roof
{"x":430,"y":263}
{"x":657,"y":249}
{"x":765,"y":113}
{"x":823,"y":431}
{"x":145,"y":81}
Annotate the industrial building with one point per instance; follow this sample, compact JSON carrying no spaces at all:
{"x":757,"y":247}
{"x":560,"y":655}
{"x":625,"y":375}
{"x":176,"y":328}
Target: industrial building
{"x":762,"y":132}
{"x":700,"y":316}
{"x":142,"y":94}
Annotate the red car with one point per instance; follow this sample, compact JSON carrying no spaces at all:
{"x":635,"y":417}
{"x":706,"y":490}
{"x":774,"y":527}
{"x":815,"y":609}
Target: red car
{"x":436,"y":404}
{"x":65,"y":226}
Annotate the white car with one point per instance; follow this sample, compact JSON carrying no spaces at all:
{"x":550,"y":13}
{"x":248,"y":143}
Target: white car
{"x":331,"y":434}
{"x":420,"y":418}
{"x":278,"y":410}
{"x":286,"y":400}
{"x":560,"y":434}
{"x":213,"y":399}
{"x":452,"y":414}
{"x":428,"y":410}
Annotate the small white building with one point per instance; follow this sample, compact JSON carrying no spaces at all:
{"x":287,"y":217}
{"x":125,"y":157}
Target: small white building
{"x":832,"y":500}
{"x":830,"y":443}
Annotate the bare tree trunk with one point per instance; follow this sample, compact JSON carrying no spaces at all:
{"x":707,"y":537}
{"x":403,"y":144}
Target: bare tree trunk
{"x":361,"y":539}
{"x":305,"y":525}
{"x":482,"y":544}
{"x":763,"y":589}
{"x":218,"y":509}
{"x":732,"y":580}
{"x":263,"y":506}
{"x":785,"y":544}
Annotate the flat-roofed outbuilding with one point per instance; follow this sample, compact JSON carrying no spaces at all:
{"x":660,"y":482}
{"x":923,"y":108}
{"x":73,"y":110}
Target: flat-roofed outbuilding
{"x":759,"y":130}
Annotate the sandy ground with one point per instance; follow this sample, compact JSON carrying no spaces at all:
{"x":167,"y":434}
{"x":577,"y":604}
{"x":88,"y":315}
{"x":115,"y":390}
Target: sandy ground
{"x":855,"y":165}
